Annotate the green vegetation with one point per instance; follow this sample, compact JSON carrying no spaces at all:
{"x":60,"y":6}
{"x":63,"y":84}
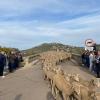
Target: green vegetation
{"x":8,"y":50}
{"x":98,"y":46}
{"x":52,"y":46}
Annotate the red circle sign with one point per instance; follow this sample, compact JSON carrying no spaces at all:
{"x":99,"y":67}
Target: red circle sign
{"x":89,"y":43}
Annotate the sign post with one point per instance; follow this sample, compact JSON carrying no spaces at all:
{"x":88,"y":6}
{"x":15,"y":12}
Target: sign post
{"x":90,"y":45}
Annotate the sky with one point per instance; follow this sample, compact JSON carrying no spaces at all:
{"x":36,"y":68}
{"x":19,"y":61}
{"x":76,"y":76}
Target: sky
{"x":28,"y":23}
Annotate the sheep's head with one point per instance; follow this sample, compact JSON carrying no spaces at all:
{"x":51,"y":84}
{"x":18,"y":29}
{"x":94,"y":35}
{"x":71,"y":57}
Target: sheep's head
{"x":60,"y":71}
{"x":92,"y":82}
{"x":54,"y":69}
{"x":92,"y":95}
{"x":76,"y":77}
{"x":67,"y":76}
{"x":48,"y":68}
{"x":98,"y":82}
{"x":44,"y":68}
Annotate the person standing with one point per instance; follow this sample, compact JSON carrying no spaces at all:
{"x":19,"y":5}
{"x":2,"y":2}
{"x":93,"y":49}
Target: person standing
{"x":20,"y":57}
{"x":11,"y":62}
{"x":91,"y":59}
{"x":2,"y":63}
{"x":83,"y":58}
{"x":97,"y":64}
{"x":87,"y":59}
{"x":16,"y":61}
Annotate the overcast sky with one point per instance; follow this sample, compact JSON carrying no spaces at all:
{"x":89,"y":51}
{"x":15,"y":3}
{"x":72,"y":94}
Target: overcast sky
{"x":27,"y":23}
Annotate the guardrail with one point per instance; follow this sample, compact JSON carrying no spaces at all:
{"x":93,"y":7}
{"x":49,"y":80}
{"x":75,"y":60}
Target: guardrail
{"x":77,"y":57}
{"x":33,"y":57}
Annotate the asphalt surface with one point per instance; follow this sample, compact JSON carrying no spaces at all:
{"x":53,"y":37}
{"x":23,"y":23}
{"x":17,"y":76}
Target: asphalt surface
{"x":73,"y":67}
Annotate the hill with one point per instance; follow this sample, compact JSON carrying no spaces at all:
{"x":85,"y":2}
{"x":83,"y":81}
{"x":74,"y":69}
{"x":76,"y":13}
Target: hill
{"x":52,"y":46}
{"x":98,"y":46}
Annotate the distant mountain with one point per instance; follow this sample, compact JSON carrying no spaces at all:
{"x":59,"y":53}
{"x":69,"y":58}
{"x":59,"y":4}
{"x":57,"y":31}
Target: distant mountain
{"x":98,"y":46}
{"x":52,"y":46}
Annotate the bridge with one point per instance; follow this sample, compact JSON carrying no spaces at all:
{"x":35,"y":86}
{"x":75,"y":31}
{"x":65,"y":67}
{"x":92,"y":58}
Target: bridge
{"x":27,"y":83}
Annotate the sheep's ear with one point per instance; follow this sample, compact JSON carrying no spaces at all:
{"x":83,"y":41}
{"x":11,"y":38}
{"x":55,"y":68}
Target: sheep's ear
{"x":69,"y":75}
{"x":65,"y":73}
{"x":78,"y":75}
{"x":98,"y":83}
{"x":92,"y":81}
{"x":59,"y":69}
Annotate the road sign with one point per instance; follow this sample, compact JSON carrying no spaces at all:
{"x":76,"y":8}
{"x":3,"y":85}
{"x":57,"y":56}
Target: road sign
{"x":89,"y":48}
{"x":89,"y":43}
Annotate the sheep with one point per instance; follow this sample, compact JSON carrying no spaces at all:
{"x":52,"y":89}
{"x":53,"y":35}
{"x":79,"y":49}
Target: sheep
{"x":45,"y":73}
{"x":97,"y":96}
{"x":60,"y":83}
{"x":85,"y":92}
{"x":53,"y":57}
{"x":50,"y":76}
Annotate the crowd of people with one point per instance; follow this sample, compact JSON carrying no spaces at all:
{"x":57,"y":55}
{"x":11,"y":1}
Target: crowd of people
{"x":10,"y":61}
{"x":91,"y":59}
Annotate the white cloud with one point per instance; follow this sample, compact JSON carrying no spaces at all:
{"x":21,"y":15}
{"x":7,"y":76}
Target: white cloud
{"x":36,"y":30}
{"x":67,"y":28}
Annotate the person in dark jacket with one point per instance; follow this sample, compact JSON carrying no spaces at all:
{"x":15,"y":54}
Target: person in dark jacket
{"x":2,"y":63}
{"x":97,"y":64}
{"x":87,"y":59}
{"x":16,"y":61}
{"x":20,"y":57}
{"x":11,"y":62}
{"x":83,"y":58}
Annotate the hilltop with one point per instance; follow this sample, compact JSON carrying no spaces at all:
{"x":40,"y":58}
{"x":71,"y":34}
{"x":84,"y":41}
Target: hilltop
{"x":52,"y":46}
{"x":98,"y":46}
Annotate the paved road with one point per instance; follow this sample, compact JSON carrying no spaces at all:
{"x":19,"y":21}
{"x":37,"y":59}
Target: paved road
{"x":73,"y":67}
{"x":25,"y":84}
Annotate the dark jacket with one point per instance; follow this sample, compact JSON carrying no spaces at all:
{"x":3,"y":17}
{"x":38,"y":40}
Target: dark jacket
{"x":2,"y":60}
{"x":97,"y":63}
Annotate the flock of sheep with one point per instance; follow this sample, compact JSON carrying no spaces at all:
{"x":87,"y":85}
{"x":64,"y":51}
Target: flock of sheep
{"x":66,"y":86}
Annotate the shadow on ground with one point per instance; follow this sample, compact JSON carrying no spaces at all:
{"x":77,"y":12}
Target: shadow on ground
{"x":18,"y":97}
{"x":50,"y":96}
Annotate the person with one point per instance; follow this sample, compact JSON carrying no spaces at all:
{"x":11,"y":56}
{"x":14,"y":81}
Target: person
{"x":97,"y":64}
{"x":20,"y":57}
{"x":91,"y":59}
{"x":11,"y":62}
{"x":83,"y":58}
{"x":16,"y":61}
{"x":94,"y":47}
{"x":87,"y":59}
{"x":2,"y":63}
